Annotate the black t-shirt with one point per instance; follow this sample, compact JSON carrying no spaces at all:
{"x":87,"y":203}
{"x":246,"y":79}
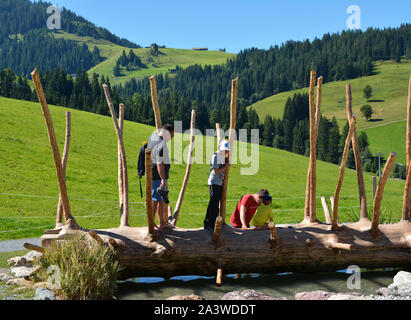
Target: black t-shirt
{"x":159,"y":154}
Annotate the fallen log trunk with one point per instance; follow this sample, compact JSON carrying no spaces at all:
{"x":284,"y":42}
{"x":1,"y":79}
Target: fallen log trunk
{"x":192,"y":252}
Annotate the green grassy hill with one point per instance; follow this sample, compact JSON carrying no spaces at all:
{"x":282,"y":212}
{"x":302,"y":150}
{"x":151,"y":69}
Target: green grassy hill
{"x":29,"y":191}
{"x":386,"y":129}
{"x":168,"y":58}
{"x":390,"y":89}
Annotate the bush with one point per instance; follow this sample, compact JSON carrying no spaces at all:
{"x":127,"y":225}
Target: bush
{"x":88,"y":271}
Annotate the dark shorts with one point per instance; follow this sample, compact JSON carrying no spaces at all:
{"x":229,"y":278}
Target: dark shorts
{"x":154,"y":194}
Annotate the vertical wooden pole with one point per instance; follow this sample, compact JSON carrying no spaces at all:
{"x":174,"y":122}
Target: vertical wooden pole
{"x":219,"y":277}
{"x":219,"y":134}
{"x":374,"y":187}
{"x":317,"y":124}
{"x":188,"y":169}
{"x":326,"y":210}
{"x":332,"y":205}
{"x":380,"y":190}
{"x":358,"y":161}
{"x":313,"y":150}
{"x":342,"y":170}
{"x":217,"y":229}
{"x":406,"y":207}
{"x":407,"y":196}
{"x":149,"y":201}
{"x":154,"y":99}
{"x":120,"y":162}
{"x":59,"y":218}
{"x":70,"y":221}
{"x":124,"y":217}
{"x":273,"y":233}
{"x":233,"y":120}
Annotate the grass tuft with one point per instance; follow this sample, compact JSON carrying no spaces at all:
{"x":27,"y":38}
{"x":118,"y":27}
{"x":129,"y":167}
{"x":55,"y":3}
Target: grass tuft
{"x":88,"y":271}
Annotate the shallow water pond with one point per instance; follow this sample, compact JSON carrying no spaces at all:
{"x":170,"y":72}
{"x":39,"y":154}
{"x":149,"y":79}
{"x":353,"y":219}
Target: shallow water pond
{"x":278,"y":285}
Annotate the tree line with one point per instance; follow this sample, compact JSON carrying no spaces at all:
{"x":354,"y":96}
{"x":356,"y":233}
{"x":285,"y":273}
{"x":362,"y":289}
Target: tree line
{"x":339,"y":56}
{"x":25,"y":41}
{"x":291,"y":133}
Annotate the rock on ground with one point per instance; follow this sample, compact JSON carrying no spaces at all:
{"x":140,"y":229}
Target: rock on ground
{"x":401,"y":285}
{"x":249,"y":295}
{"x":190,"y":297}
{"x":385,"y":292}
{"x":44,"y":294}
{"x":342,"y":296}
{"x":5,"y":277}
{"x":314,"y":295}
{"x":21,"y":272}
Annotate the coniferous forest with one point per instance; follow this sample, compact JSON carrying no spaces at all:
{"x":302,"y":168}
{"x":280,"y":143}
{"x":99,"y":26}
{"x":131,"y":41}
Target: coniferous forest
{"x":25,"y":43}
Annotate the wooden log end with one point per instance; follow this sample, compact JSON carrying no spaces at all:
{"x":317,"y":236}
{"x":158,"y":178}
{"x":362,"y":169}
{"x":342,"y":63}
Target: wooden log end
{"x":219,"y":277}
{"x":33,"y":247}
{"x":341,"y":246}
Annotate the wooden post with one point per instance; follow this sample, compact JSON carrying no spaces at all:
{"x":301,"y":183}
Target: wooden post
{"x":217,"y":229}
{"x":125,"y":214}
{"x":317,"y":124}
{"x":59,"y":218}
{"x":273,"y":233}
{"x":120,"y":162}
{"x":313,"y":150}
{"x":342,"y":170}
{"x":407,"y":196}
{"x":406,"y":208}
{"x":219,"y":277}
{"x":219,"y":134}
{"x":332,"y":203}
{"x":70,"y":221}
{"x":380,"y":190}
{"x":374,"y":187}
{"x":30,"y":246}
{"x":233,"y":120}
{"x":188,"y":170}
{"x":358,"y":162}
{"x":149,"y":201}
{"x":154,"y":99}
{"x":326,"y":210}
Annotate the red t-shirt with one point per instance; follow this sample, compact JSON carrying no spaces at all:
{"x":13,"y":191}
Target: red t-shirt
{"x":248,"y":202}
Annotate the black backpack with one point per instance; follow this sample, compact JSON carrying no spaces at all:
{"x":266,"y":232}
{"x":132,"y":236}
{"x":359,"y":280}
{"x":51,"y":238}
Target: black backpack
{"x":141,"y":165}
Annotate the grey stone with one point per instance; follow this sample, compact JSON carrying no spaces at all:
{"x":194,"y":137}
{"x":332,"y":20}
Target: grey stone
{"x":21,"y":272}
{"x":401,"y":285}
{"x":5,"y":277}
{"x":385,"y":292}
{"x":44,"y":294}
{"x":249,"y":295}
{"x":343,"y":296}
{"x":32,"y":256}
{"x":190,"y":297}
{"x":314,"y":295}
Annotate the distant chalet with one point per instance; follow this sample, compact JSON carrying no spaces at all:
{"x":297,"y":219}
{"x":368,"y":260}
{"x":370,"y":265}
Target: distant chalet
{"x":200,"y":49}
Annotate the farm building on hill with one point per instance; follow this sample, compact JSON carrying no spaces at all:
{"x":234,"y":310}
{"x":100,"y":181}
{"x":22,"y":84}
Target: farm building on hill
{"x":201,"y":49}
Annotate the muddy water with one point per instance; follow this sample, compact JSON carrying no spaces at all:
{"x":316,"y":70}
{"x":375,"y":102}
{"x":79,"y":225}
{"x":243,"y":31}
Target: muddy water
{"x":279,"y":285}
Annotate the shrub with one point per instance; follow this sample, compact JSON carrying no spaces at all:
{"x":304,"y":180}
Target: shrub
{"x":88,"y":271}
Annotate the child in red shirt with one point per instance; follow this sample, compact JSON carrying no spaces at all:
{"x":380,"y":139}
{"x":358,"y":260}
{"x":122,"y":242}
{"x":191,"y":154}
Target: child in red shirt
{"x":246,"y":208}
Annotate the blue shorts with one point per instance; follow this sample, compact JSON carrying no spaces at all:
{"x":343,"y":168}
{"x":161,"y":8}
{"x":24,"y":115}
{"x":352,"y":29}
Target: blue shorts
{"x":154,"y":194}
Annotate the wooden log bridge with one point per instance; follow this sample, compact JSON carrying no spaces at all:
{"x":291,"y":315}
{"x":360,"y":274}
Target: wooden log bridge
{"x":310,"y":246}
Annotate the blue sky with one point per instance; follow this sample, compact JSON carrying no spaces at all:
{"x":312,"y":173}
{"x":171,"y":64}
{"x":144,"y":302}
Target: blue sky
{"x":233,"y":25}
